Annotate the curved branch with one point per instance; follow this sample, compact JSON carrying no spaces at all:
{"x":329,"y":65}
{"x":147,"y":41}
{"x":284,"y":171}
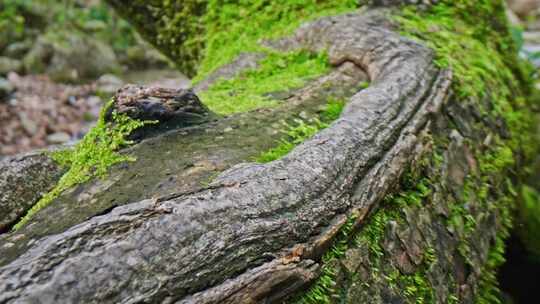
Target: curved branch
{"x":260,"y":226}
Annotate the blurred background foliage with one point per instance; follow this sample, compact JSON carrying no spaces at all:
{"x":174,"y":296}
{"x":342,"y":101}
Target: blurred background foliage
{"x":69,"y":40}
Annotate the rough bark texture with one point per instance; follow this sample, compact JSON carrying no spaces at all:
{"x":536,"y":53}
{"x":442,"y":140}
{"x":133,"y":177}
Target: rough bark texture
{"x":165,"y":108}
{"x":257,"y":232}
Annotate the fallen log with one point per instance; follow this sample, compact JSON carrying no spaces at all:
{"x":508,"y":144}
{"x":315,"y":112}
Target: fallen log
{"x":393,"y":202}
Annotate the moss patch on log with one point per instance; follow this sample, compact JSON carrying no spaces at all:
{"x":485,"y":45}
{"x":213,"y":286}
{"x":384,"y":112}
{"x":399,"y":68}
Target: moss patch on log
{"x":248,"y":22}
{"x":473,"y":39}
{"x":414,"y":286}
{"x":253,"y":88}
{"x":91,"y":157}
{"x":202,"y":35}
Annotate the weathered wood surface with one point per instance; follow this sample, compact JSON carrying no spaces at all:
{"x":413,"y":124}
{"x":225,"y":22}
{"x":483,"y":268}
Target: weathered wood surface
{"x":257,"y":232}
{"x":255,"y":228}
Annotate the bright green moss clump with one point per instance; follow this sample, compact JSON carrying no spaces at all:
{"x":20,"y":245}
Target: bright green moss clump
{"x":472,"y":39}
{"x":251,"y":89}
{"x":91,"y":157}
{"x":202,"y":35}
{"x":233,"y":27}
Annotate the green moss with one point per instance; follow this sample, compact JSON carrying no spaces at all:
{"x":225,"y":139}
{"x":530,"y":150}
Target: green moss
{"x":247,"y":23}
{"x":12,"y":22}
{"x":488,"y":286}
{"x":302,"y":130}
{"x":175,"y":27}
{"x":252,"y":88}
{"x":91,"y":157}
{"x":202,"y":35}
{"x":322,"y":290}
{"x":473,"y":39}
{"x":233,"y":27}
{"x":416,"y":287}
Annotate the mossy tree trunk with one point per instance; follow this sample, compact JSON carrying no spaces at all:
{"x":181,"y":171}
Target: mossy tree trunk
{"x":405,"y":198}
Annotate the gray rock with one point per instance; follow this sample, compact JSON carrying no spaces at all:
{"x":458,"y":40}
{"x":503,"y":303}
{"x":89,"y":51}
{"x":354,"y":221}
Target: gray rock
{"x":58,"y":138}
{"x":29,"y":125}
{"x":23,"y":179}
{"x":143,"y":55}
{"x":18,"y":49}
{"x":5,"y":88}
{"x":9,"y":65}
{"x":70,"y":57}
{"x":109,"y":83}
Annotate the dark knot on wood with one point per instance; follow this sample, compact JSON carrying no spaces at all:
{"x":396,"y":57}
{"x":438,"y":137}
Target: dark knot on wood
{"x":170,"y":108}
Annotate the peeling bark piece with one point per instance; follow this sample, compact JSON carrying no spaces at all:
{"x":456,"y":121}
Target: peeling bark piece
{"x":170,"y":108}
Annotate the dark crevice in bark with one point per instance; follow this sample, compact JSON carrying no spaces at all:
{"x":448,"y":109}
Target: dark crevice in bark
{"x":520,"y":274}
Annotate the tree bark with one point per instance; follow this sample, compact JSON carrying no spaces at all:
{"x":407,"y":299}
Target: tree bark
{"x":258,"y":232}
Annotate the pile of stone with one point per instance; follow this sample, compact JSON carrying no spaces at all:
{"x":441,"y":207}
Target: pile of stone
{"x":36,"y":112}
